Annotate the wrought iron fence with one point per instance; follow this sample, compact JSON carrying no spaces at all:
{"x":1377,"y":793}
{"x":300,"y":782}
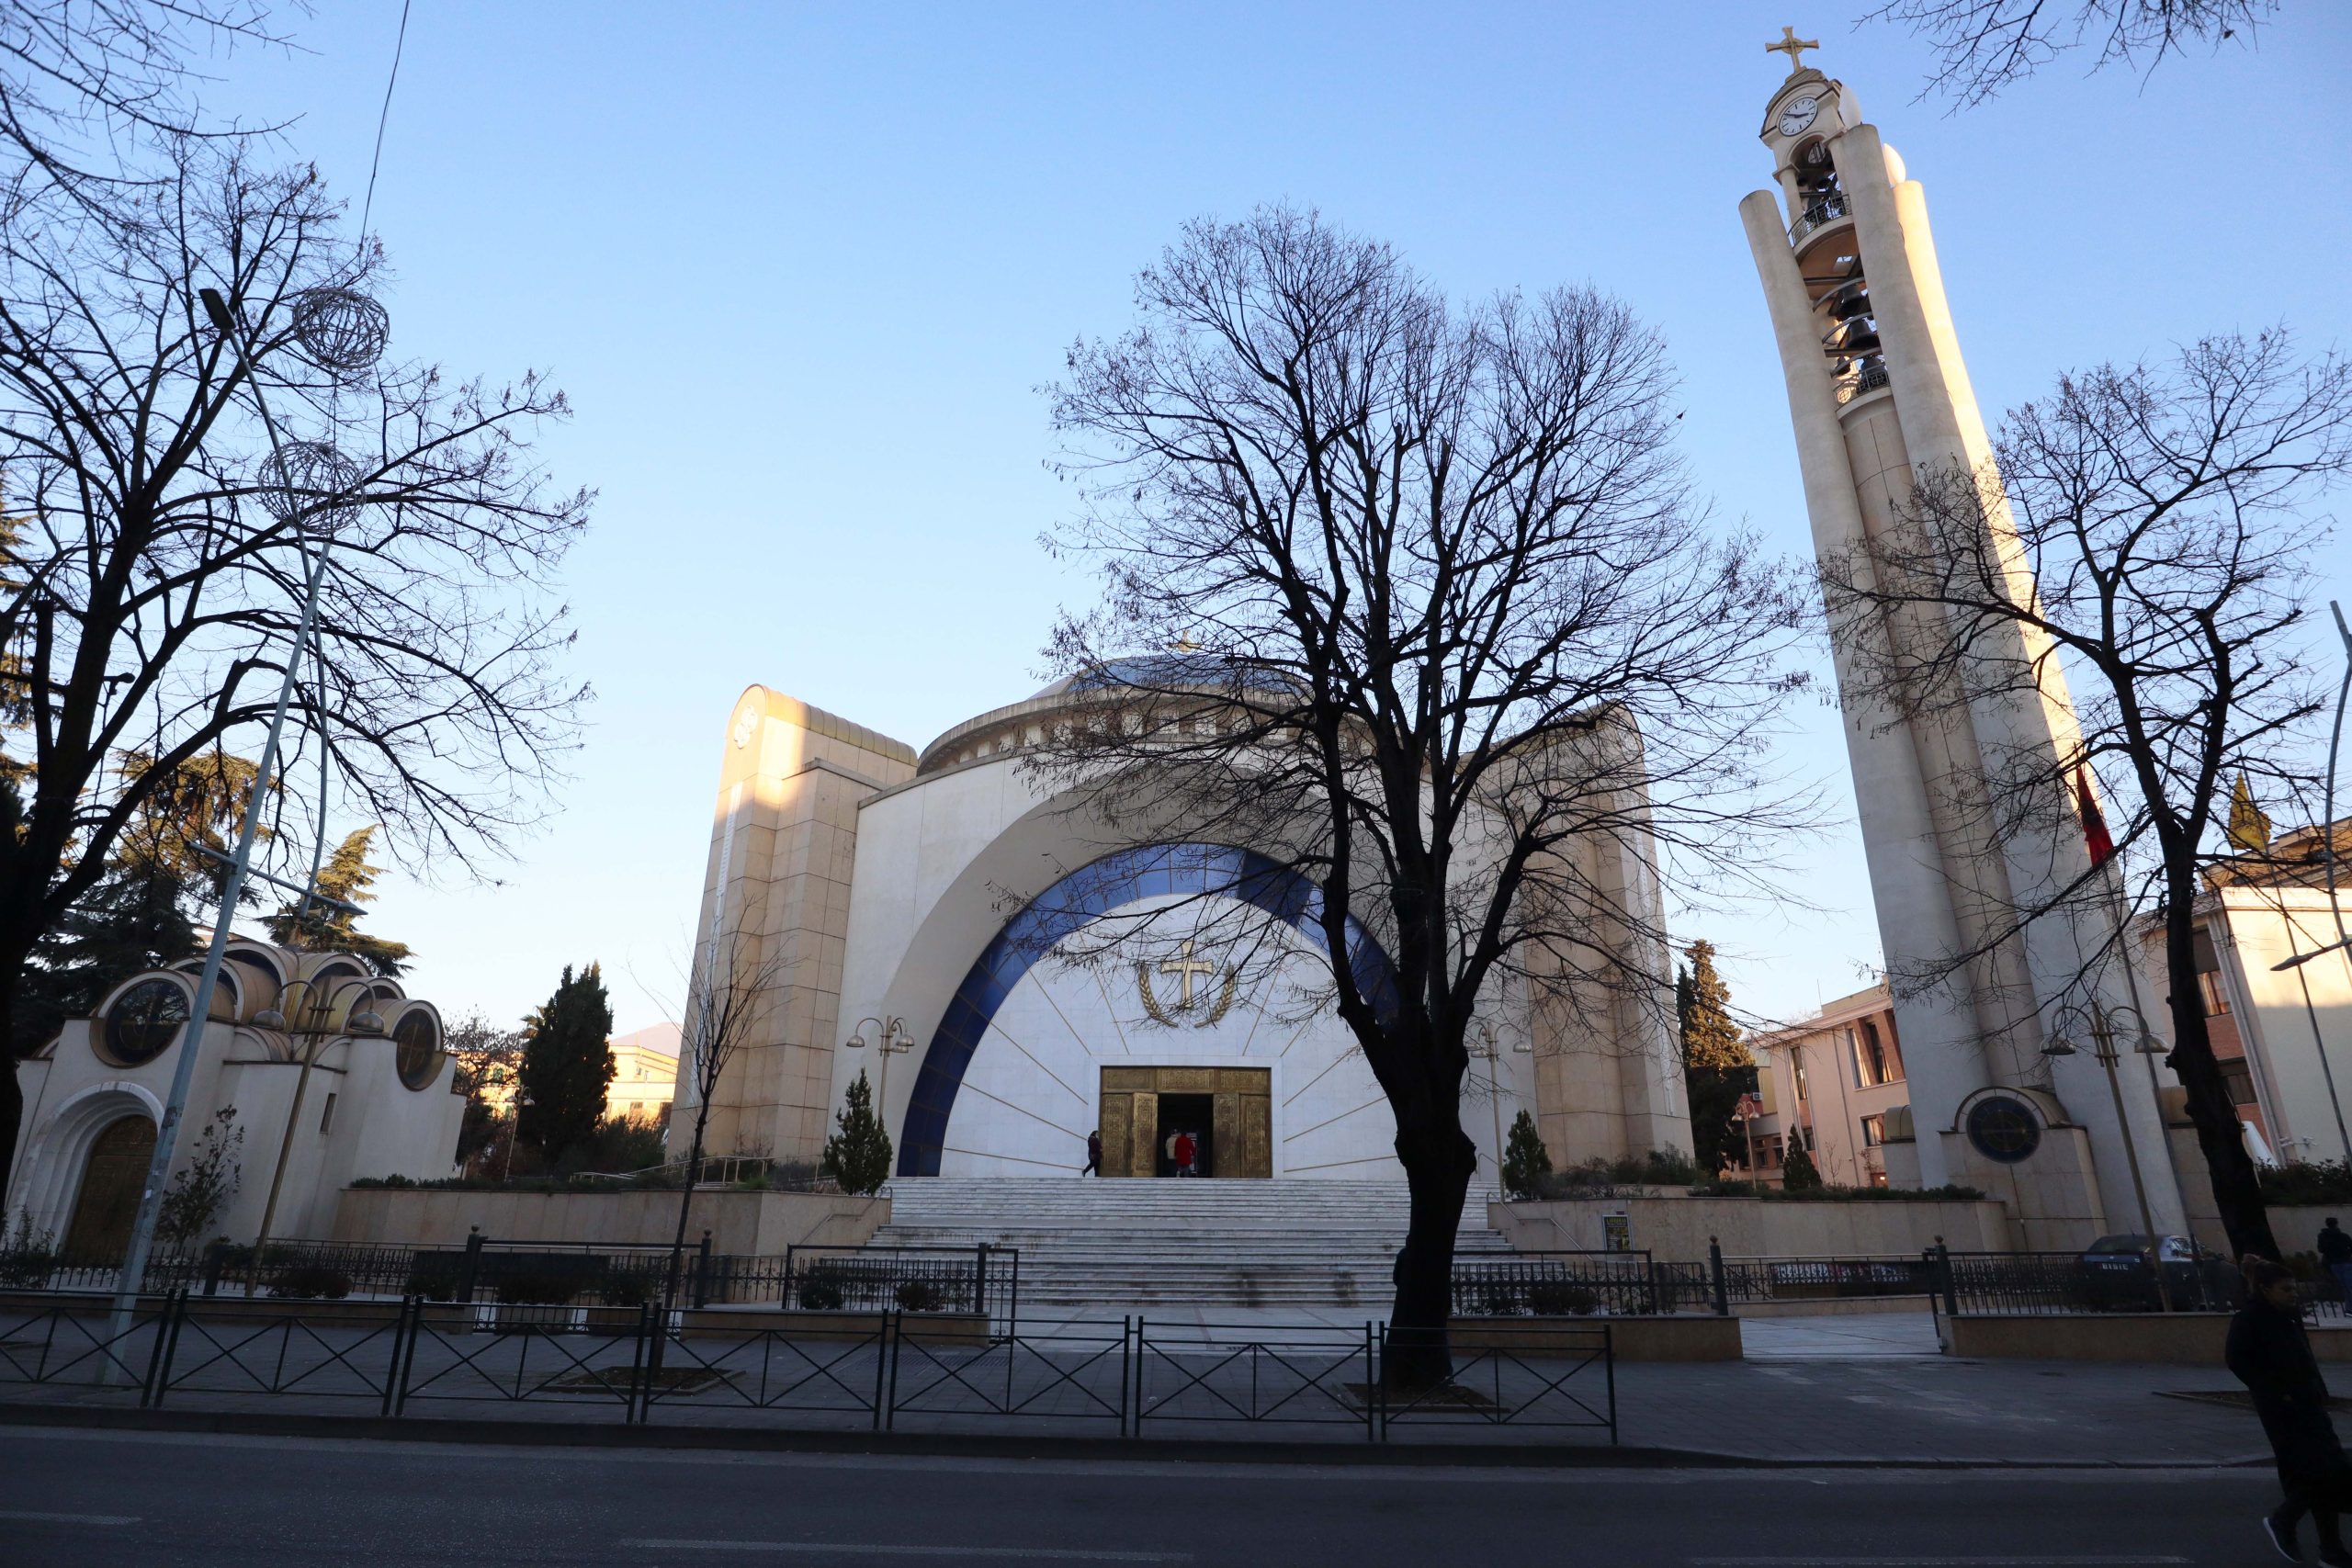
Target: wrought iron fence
{"x":2058,"y":1282}
{"x":1579,"y":1284}
{"x":564,"y":1274}
{"x":879,"y":1369}
{"x":1748,"y":1279}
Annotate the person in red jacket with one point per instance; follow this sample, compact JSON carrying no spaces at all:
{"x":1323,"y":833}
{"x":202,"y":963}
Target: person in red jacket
{"x":1186,"y":1150}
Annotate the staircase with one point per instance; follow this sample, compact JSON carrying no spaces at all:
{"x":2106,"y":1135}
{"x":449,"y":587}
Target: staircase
{"x":1129,"y":1245}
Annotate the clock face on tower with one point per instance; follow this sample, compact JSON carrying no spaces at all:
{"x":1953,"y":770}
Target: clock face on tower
{"x":1798,"y":115}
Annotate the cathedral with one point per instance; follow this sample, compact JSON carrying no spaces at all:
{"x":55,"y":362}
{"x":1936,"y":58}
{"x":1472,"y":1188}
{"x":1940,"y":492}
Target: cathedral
{"x":944,"y":906}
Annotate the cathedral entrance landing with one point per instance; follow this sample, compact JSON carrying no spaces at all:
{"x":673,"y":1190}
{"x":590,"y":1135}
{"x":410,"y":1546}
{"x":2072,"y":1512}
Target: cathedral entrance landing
{"x":1228,"y":1111}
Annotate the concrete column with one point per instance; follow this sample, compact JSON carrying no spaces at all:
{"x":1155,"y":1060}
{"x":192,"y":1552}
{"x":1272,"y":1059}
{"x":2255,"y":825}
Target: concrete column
{"x":1943,"y":1053}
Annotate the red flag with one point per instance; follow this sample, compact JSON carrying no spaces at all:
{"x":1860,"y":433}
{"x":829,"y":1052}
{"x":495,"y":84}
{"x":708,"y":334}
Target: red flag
{"x":2095,"y":839}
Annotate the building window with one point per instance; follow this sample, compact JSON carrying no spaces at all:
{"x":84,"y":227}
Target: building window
{"x":1796,"y":1069}
{"x":144,"y":1021}
{"x":1873,"y":1132}
{"x":2237,"y":1077}
{"x":1875,"y":1062}
{"x":2216,"y":1002}
{"x":326,"y":1117}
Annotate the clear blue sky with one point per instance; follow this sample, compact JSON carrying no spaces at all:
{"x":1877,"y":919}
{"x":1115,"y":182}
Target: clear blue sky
{"x":801,"y":269}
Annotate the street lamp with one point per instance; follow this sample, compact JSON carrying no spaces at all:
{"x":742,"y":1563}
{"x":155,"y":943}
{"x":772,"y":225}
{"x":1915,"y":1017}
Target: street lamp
{"x":894,"y":1039}
{"x":313,"y":487}
{"x":2101,"y":1021}
{"x":319,"y":1014}
{"x":1490,"y":1050}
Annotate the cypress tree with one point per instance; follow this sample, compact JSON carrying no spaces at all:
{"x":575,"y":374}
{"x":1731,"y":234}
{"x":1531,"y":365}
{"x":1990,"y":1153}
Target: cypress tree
{"x":1717,"y":1067}
{"x":858,"y":1155}
{"x":1525,"y":1160}
{"x":567,"y":1065}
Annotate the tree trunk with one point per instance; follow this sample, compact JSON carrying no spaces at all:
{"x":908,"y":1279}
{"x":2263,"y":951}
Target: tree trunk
{"x":12,"y":1089}
{"x":1438,"y":1160}
{"x":685,"y":1203}
{"x":2237,"y":1192}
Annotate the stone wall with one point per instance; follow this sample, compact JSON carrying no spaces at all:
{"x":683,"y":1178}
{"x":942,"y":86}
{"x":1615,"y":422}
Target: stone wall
{"x":1676,"y":1228}
{"x":754,"y":1223}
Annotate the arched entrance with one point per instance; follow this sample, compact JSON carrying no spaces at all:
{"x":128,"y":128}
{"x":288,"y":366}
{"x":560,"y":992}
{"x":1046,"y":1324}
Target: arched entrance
{"x":1086,"y":895}
{"x":108,"y":1201}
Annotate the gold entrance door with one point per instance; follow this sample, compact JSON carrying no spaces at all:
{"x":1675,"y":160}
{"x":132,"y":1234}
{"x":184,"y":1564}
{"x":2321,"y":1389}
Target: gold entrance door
{"x":1240,"y":1133}
{"x":112,"y":1178}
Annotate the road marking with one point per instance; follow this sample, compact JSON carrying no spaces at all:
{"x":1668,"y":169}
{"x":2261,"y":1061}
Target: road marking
{"x":1024,"y":1554}
{"x":1937,"y":1561}
{"x":30,"y":1517}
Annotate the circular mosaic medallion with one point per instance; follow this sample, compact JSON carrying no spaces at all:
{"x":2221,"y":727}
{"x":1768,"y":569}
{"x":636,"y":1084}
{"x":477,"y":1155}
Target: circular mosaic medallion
{"x":2004,"y":1129}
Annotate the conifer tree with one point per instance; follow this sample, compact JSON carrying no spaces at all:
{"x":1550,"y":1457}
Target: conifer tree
{"x":346,"y":876}
{"x":567,"y":1065}
{"x":1717,"y":1067}
{"x":1798,"y":1173}
{"x":858,"y":1155}
{"x":1525,"y":1160}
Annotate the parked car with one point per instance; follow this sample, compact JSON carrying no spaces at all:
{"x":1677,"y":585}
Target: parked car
{"x":2117,"y":1274}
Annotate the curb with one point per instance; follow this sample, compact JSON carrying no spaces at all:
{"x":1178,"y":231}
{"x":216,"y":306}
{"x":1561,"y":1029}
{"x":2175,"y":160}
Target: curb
{"x":981,"y":1445}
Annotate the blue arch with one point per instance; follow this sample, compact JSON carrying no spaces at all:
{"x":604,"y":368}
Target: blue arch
{"x":1087,"y":894}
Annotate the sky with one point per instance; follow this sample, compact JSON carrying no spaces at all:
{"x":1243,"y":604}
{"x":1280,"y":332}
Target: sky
{"x":802,"y":268}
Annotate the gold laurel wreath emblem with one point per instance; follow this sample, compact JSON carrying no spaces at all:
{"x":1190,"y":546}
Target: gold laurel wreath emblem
{"x":1151,"y":1003}
{"x":1159,"y":1014}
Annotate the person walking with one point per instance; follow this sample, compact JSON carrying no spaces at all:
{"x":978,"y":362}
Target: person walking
{"x":2270,"y":1354}
{"x":1184,"y":1153}
{"x":2335,"y":1251}
{"x":1093,"y":1154}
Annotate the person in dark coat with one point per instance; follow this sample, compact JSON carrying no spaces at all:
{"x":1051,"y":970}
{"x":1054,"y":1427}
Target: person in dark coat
{"x":2270,"y":1353}
{"x":1093,"y":1154}
{"x":2335,"y":1251}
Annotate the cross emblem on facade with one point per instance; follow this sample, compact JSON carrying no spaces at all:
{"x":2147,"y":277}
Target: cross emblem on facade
{"x":1794,"y":46}
{"x":1186,"y":965}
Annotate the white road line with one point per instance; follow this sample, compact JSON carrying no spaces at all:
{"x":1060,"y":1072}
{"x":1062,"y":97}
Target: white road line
{"x":2136,"y":1560}
{"x":29,"y":1516}
{"x":844,"y":1549}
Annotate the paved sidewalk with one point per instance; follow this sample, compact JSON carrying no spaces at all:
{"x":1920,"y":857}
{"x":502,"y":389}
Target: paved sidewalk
{"x":1855,"y":1336}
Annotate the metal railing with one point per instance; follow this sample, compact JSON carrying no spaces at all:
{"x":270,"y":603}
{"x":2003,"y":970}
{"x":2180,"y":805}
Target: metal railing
{"x":880,"y":1371}
{"x":1571,"y":1283}
{"x":1767,"y":1279}
{"x":1869,"y":379}
{"x":2050,"y":1284}
{"x":1820,"y":215}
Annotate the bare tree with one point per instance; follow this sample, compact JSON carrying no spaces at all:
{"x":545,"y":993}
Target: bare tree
{"x":1453,"y":647}
{"x":727,"y":997}
{"x":92,"y":91}
{"x":155,"y":592}
{"x":2156,"y":562}
{"x":1983,"y":46}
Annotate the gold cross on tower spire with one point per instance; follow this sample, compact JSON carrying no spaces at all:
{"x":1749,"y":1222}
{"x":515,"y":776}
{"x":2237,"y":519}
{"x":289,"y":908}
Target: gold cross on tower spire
{"x":1794,"y":46}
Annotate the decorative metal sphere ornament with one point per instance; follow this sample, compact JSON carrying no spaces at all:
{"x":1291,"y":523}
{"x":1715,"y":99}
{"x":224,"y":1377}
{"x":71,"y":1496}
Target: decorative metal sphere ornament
{"x":341,"y":329}
{"x":309,"y":481}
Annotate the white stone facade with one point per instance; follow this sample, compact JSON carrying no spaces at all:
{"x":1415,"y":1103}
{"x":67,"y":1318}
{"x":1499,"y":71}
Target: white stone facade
{"x":381,"y":1097}
{"x":910,"y":896}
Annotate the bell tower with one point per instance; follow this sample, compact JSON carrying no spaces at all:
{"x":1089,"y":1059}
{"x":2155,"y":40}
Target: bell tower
{"x":1879,"y":397}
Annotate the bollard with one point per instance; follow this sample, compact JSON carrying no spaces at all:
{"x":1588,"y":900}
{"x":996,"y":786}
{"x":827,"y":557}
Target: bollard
{"x":1715,"y":1270}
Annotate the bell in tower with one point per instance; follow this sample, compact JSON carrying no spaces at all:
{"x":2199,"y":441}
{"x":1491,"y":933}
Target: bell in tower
{"x":1880,"y":401}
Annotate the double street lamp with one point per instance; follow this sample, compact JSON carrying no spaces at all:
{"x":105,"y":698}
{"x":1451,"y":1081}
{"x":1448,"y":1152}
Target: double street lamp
{"x":1489,"y":1050}
{"x":306,"y":484}
{"x":892,"y":1039}
{"x":2102,"y":1024}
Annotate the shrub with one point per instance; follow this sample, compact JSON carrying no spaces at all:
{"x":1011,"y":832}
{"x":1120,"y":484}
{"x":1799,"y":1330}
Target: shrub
{"x":28,"y":1257}
{"x":537,"y":1289}
{"x":858,"y":1155}
{"x":1558,"y":1298}
{"x":311,"y":1282}
{"x":632,"y":1287}
{"x":820,"y":1293}
{"x":435,"y":1280}
{"x":2307,"y":1183}
{"x":920,"y":1295}
{"x":1499,"y":1298}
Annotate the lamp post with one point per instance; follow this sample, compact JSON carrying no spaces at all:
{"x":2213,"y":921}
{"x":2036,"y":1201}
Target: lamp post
{"x":341,"y":330}
{"x":892,"y":1040}
{"x":368,"y":1023}
{"x":1490,"y":1050}
{"x":2101,"y":1022}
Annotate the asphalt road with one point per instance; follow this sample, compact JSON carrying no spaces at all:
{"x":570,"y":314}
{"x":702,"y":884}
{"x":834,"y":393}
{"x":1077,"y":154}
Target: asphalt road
{"x":73,"y":1499}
